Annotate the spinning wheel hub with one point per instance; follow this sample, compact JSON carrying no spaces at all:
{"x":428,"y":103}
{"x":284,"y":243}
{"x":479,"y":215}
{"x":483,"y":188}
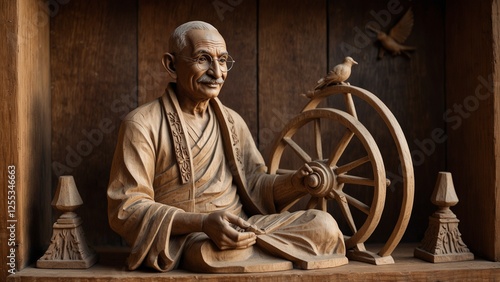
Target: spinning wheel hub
{"x":321,"y":181}
{"x":313,"y":180}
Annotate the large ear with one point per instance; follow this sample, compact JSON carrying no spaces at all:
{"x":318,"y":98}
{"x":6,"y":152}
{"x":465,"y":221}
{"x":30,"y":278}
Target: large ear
{"x":168,"y":62}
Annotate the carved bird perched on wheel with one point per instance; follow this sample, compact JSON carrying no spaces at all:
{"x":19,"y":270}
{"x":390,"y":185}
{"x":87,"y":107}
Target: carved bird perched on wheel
{"x":393,"y":42}
{"x":337,"y":75}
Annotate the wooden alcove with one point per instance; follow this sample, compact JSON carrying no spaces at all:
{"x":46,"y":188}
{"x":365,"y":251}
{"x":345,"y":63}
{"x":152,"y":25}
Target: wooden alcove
{"x":72,"y":70}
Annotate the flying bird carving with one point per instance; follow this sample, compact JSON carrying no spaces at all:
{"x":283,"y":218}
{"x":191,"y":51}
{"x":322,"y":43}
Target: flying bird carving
{"x":393,"y":42}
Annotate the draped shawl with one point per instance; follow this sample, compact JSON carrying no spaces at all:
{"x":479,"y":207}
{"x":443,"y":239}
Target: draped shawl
{"x":153,"y":177}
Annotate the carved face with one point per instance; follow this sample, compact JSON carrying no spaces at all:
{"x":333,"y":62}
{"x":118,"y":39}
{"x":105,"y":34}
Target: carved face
{"x":193,"y":82}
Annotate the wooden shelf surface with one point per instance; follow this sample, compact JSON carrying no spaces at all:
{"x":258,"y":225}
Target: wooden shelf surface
{"x":406,"y":268}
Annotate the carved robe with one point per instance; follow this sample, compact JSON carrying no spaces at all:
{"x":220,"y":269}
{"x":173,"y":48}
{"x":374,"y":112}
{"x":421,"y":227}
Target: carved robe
{"x":164,"y":164}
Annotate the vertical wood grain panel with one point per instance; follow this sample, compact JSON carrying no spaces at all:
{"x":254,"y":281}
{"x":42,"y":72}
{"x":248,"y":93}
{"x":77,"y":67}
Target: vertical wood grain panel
{"x":25,"y":137}
{"x":472,"y":86}
{"x":235,"y":20}
{"x":94,"y":83}
{"x":412,"y":88}
{"x":494,"y":246}
{"x":292,"y":57}
{"x":8,"y":113}
{"x":33,"y":101}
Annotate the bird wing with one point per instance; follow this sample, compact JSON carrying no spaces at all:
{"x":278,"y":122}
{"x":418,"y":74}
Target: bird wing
{"x":338,"y":72}
{"x":334,"y":75}
{"x":403,"y":28}
{"x":330,"y":77}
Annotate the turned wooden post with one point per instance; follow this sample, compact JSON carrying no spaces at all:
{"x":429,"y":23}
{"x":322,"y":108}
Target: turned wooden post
{"x":442,"y":241}
{"x":68,"y":247}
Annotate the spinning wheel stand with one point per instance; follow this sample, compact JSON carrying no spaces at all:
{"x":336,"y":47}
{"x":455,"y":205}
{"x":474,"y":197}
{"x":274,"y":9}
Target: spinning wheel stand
{"x":331,"y":178}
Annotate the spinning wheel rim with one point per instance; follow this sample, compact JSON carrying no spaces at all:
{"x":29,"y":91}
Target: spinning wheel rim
{"x":349,"y":122}
{"x":401,"y":144}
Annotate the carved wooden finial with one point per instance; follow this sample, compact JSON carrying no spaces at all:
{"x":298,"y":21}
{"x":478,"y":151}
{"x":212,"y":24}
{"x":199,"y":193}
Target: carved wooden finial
{"x":444,"y":195}
{"x":68,"y":247}
{"x":442,"y":241}
{"x":67,"y":198}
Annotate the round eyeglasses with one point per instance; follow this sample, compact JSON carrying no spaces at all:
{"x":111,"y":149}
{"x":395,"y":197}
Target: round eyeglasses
{"x":204,"y":61}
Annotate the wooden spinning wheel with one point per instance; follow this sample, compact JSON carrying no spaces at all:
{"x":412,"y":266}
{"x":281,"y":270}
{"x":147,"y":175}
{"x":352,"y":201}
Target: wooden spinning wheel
{"x":334,"y":178}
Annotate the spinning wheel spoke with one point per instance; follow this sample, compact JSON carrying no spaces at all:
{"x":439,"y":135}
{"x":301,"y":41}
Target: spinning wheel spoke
{"x":317,"y":202}
{"x":297,"y":149}
{"x":323,"y":204}
{"x":350,"y":105}
{"x":313,"y":202}
{"x":287,"y":207}
{"x":344,"y":206}
{"x":354,"y":202}
{"x":317,"y":138}
{"x":352,"y":165}
{"x":351,"y":179}
{"x":358,"y":204}
{"x":337,"y":153}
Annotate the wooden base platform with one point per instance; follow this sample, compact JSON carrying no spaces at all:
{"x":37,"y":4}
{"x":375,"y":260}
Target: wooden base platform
{"x":406,"y":268}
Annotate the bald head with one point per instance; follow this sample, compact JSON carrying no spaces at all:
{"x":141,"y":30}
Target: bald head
{"x":178,"y":41}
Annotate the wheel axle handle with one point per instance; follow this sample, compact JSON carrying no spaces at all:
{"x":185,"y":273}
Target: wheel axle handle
{"x":313,"y":180}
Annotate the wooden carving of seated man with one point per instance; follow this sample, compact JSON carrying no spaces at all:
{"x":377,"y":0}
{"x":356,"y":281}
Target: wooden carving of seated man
{"x":188,"y":187}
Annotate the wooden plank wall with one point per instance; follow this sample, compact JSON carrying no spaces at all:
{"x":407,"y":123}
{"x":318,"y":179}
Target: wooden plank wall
{"x":472,"y":89}
{"x":94,"y":83}
{"x":105,"y":59}
{"x":25,"y":135}
{"x":292,"y":56}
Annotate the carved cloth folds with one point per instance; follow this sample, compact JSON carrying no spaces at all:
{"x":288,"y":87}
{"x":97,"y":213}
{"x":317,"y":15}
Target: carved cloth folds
{"x":164,"y":165}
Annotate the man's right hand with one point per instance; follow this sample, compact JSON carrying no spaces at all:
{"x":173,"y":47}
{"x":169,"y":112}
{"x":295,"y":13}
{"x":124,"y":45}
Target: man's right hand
{"x":219,"y":227}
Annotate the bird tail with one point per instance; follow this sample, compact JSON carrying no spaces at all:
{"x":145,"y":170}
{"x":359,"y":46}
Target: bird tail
{"x":407,"y":52}
{"x":320,"y":84}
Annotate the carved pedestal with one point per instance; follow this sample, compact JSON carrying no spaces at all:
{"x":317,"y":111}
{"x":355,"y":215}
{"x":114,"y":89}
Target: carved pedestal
{"x":68,"y":248}
{"x":442,"y":240}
